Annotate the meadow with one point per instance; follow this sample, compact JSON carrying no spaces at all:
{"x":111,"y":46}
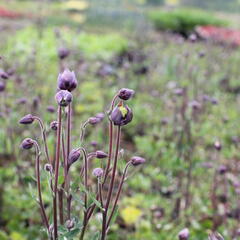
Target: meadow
{"x":173,"y":96}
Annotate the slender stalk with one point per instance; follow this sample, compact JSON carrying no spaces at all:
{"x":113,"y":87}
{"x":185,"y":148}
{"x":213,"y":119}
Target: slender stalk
{"x":44,"y":137}
{"x":57,"y":161}
{"x":104,"y":223}
{"x":40,"y":201}
{"x":118,"y":193}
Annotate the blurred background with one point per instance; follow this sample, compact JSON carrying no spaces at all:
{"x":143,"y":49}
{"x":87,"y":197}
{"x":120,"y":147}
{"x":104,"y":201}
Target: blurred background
{"x":182,"y":59}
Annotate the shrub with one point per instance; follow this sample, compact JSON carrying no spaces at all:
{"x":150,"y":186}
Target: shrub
{"x":183,"y":21}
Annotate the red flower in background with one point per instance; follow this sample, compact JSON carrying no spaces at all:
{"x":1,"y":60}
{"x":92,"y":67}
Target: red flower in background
{"x":5,"y":13}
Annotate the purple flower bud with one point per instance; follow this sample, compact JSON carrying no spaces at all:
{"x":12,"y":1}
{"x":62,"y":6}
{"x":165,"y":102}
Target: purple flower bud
{"x":137,"y":160}
{"x":195,"y":105}
{"x":94,"y":120}
{"x":63,"y":98}
{"x":27,"y":143}
{"x":100,"y":116}
{"x":125,"y":93}
{"x":97,"y":172}
{"x":101,"y":154}
{"x":48,"y":168}
{"x":218,"y":145}
{"x":2,"y":86}
{"x":3,"y":74}
{"x":21,"y":101}
{"x":51,"y":109}
{"x":121,"y":115}
{"x":54,"y":125}
{"x":222,"y":169}
{"x":73,"y":156}
{"x":28,"y":119}
{"x":94,"y":144}
{"x":184,"y":234}
{"x":179,"y":91}
{"x":67,"y":80}
{"x":69,"y":224}
{"x":63,"y":52}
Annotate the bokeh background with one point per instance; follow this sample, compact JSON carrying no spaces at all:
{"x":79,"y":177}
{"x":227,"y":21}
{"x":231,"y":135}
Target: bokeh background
{"x":180,"y":56}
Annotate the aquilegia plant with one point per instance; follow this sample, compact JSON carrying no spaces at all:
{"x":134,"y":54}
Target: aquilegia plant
{"x":58,"y":221}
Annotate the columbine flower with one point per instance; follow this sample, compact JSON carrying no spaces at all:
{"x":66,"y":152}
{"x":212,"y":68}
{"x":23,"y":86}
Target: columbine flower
{"x":54,"y":125}
{"x":97,"y":172}
{"x":27,"y":143}
{"x":2,"y":86}
{"x":125,"y":93}
{"x":101,"y":154}
{"x":63,"y":98}
{"x":184,"y":234}
{"x":63,"y":52}
{"x":73,"y":156}
{"x":67,"y":80}
{"x":121,"y":115}
{"x":137,"y":160}
{"x":28,"y":119}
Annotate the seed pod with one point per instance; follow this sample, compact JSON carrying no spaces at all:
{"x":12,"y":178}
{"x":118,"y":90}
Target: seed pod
{"x":183,"y":234}
{"x":67,"y":80}
{"x":125,"y":93}
{"x":101,"y":154}
{"x":97,"y":172}
{"x":27,"y":143}
{"x":137,"y":160}
{"x":27,"y":119}
{"x":54,"y":125}
{"x":73,"y":156}
{"x":63,"y":98}
{"x":121,"y":115}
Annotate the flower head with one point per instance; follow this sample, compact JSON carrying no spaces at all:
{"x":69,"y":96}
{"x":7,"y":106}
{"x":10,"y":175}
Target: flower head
{"x":67,"y":80}
{"x":63,"y":98}
{"x":125,"y":93}
{"x":27,"y":119}
{"x":27,"y":143}
{"x":137,"y":160}
{"x":121,"y":115}
{"x":97,"y":172}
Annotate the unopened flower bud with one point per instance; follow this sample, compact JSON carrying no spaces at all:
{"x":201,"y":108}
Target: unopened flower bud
{"x":63,"y":53}
{"x":73,"y":156}
{"x":94,"y":120}
{"x":27,"y":143}
{"x":222,"y":169}
{"x":27,"y":119}
{"x":137,"y":160}
{"x":100,"y":116}
{"x":101,"y":154}
{"x":51,"y":109}
{"x":63,"y":98}
{"x":125,"y":93}
{"x":67,"y":80}
{"x":183,"y":234}
{"x":21,"y":101}
{"x":2,"y":86}
{"x":54,"y":125}
{"x":97,"y":172}
{"x":218,"y":145}
{"x":121,"y":115}
{"x":3,"y":74}
{"x":48,"y":167}
{"x":69,"y":224}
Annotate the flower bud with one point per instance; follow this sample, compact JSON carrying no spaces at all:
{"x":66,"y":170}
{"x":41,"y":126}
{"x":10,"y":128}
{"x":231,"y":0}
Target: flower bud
{"x":94,"y":120}
{"x":27,"y":119}
{"x":184,"y":234}
{"x":3,"y":74}
{"x":100,"y":116}
{"x":218,"y":145}
{"x":67,"y":80}
{"x":54,"y":125}
{"x":97,"y":172}
{"x":69,"y":224}
{"x":121,"y":115}
{"x":21,"y":101}
{"x":101,"y":154}
{"x":48,"y":167}
{"x":73,"y":157}
{"x":63,"y":98}
{"x":125,"y":93}
{"x":27,"y":143}
{"x":2,"y":86}
{"x":137,"y":160}
{"x":51,"y":109}
{"x":63,"y":53}
{"x":222,"y":169}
